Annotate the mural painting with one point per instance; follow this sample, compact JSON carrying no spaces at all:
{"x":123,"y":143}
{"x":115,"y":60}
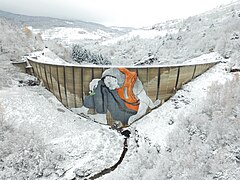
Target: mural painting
{"x":120,"y":92}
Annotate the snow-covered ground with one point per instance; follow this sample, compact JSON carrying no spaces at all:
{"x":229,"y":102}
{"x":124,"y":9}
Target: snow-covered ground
{"x":47,"y":56}
{"x":141,"y":33}
{"x":70,"y":35}
{"x":69,"y":32}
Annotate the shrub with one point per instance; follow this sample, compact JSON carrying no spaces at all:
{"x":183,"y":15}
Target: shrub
{"x":206,"y":145}
{"x":24,"y":155}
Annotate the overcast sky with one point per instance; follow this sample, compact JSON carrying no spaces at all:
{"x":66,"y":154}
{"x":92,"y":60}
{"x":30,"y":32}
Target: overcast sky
{"x":135,"y":13}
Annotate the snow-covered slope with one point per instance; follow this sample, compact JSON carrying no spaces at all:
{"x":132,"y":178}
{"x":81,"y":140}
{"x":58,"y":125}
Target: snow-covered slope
{"x":16,"y":41}
{"x":66,"y":31}
{"x":169,"y":42}
{"x":40,"y":22}
{"x":46,"y":56}
{"x":71,"y":35}
{"x":179,"y":40}
{"x":142,"y":33}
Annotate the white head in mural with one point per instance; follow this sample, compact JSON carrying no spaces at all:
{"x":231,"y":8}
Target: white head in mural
{"x":111,"y":82}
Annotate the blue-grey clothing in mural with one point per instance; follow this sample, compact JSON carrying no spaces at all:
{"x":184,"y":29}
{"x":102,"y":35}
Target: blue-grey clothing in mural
{"x":105,"y":100}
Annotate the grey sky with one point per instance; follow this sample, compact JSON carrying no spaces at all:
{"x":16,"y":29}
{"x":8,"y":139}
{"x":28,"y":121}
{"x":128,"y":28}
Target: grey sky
{"x":136,"y":13}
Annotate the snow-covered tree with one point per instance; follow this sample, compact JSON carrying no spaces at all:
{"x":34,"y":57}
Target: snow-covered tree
{"x":82,"y":55}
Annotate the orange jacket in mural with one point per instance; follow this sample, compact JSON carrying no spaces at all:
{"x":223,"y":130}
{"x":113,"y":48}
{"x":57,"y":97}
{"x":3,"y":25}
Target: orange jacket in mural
{"x":126,"y":91}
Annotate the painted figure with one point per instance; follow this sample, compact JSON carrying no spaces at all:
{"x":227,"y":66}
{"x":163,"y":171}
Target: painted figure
{"x":120,"y":92}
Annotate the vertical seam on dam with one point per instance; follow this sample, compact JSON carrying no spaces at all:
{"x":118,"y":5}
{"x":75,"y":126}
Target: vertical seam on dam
{"x":46,"y":76}
{"x":50,"y":69}
{"x":59,"y":90}
{"x":74,"y":87}
{"x":65,"y":84}
{"x":194,"y":71}
{"x":82,"y":85}
{"x":158,"y":84}
{"x":176,"y":84}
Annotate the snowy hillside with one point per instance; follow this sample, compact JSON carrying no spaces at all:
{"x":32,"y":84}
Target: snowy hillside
{"x":26,"y":40}
{"x":179,"y":40}
{"x":40,"y":22}
{"x":18,"y":41}
{"x":174,"y":41}
{"x":70,"y":35}
{"x":66,"y":31}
